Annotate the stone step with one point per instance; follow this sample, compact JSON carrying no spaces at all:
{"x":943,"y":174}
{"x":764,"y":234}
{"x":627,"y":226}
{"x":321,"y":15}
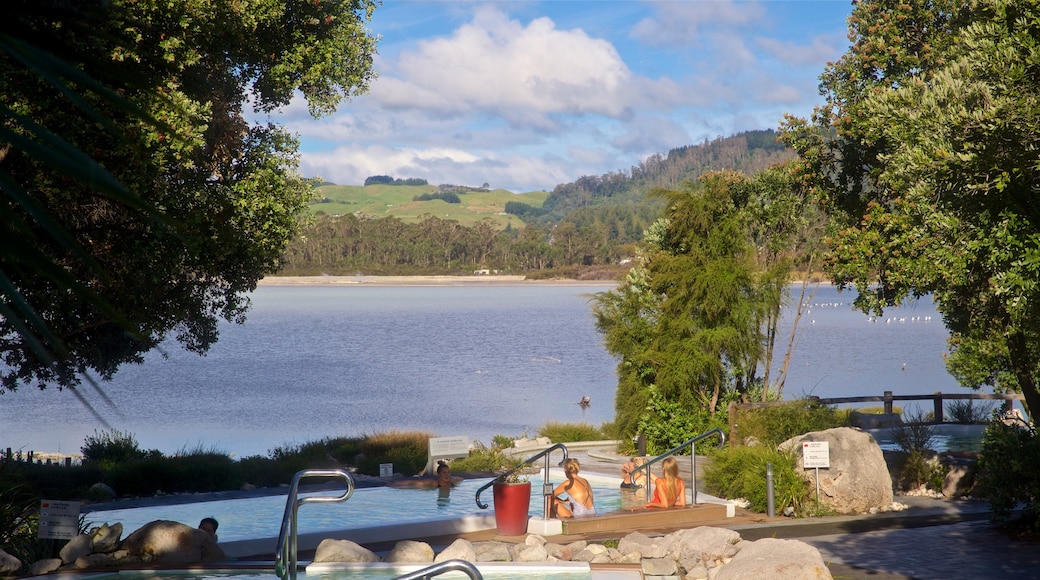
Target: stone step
{"x":646,"y":519}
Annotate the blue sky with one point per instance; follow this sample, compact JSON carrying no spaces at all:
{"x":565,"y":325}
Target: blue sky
{"x":525,"y":95}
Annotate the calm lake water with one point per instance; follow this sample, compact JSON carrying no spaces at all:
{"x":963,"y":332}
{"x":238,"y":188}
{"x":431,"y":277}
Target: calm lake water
{"x":320,"y":361}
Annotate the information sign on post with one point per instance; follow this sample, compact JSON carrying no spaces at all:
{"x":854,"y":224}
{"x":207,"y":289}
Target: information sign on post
{"x":816,"y":454}
{"x":386,"y":470}
{"x":59,"y":520}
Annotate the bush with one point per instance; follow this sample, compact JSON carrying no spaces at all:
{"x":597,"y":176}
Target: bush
{"x":774,"y":424}
{"x":969,"y":413}
{"x":570,"y":432}
{"x":484,"y":459}
{"x":109,"y":448}
{"x":1007,"y":470}
{"x":666,"y":424}
{"x":736,"y":472}
{"x":407,"y":450}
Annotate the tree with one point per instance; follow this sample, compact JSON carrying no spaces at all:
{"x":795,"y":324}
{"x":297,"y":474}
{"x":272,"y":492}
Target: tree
{"x":146,"y":98}
{"x":929,"y":142}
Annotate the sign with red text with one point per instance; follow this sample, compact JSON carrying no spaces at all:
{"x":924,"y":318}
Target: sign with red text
{"x":816,"y":454}
{"x":59,"y":520}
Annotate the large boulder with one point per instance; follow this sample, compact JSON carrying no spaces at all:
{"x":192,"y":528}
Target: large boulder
{"x":106,"y":538}
{"x":858,"y":477}
{"x":9,"y":564}
{"x":166,"y":542}
{"x":777,"y":560}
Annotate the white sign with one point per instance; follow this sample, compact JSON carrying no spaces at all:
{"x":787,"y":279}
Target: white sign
{"x":816,"y":454}
{"x":386,"y":470}
{"x":59,"y":520}
{"x":449,"y":447}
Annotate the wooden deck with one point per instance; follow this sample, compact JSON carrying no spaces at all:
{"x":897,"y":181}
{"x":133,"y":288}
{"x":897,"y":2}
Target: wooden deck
{"x":653,"y":519}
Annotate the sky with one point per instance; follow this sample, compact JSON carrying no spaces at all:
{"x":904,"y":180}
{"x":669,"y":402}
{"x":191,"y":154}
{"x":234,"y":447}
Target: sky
{"x":525,"y":95}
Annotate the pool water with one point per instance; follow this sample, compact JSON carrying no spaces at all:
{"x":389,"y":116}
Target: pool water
{"x":372,"y":571}
{"x":945,"y":437}
{"x":260,"y":517}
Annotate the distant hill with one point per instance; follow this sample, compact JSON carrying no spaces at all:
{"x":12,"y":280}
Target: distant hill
{"x":404,"y":202}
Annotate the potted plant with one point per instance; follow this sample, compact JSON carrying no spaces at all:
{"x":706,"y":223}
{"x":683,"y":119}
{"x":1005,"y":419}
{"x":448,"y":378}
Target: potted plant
{"x":512,"y":496}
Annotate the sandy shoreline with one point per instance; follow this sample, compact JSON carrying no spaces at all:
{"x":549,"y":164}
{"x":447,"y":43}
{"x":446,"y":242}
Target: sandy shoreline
{"x":492,"y":280}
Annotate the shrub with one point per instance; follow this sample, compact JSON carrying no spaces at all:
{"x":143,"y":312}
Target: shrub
{"x":109,"y":448}
{"x":915,"y":433}
{"x":775,"y":424}
{"x":407,"y":450}
{"x":484,"y":459}
{"x":570,"y":432}
{"x":969,"y":413}
{"x":1007,"y":470}
{"x":735,"y":472}
{"x":666,"y":424}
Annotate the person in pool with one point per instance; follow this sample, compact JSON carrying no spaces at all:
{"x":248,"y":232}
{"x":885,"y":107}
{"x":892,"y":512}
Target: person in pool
{"x":444,"y":479}
{"x":579,"y":501}
{"x":669,"y":490}
{"x":209,"y":525}
{"x":632,"y":477}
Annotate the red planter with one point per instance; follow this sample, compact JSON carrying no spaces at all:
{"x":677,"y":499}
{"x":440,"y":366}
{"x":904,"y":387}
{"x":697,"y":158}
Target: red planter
{"x":512,"y":507}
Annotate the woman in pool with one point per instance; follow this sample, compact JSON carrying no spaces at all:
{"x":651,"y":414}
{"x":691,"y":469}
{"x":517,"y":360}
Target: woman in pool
{"x":669,"y":491}
{"x":444,"y":479}
{"x":632,"y":477}
{"x":579,"y":500}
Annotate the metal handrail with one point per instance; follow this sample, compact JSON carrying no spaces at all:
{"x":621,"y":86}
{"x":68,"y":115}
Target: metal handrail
{"x":288,"y":532}
{"x":547,"y":486}
{"x":693,"y":458}
{"x":442,"y":568}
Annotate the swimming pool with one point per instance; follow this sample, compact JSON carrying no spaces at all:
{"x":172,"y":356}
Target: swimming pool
{"x":369,"y":571}
{"x":260,"y":517}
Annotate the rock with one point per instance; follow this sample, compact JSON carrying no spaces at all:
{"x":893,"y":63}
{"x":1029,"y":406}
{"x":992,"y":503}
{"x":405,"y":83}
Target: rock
{"x":247,"y":487}
{"x":697,"y":572}
{"x":45,"y":566}
{"x":9,"y":564}
{"x":492,"y":552}
{"x":777,"y":560}
{"x":558,"y":552}
{"x":81,"y":545}
{"x":959,"y":479}
{"x":106,"y":538}
{"x":659,"y":567}
{"x":460,"y":549}
{"x":166,"y":542}
{"x":702,"y":543}
{"x":858,"y":477}
{"x":343,"y":551}
{"x":410,"y":551}
{"x":642,"y":544}
{"x":101,"y":491}
{"x":535,"y":553}
{"x":103,"y":560}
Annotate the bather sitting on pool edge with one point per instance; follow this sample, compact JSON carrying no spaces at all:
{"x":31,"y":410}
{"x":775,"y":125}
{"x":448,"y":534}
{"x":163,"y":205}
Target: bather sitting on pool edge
{"x":669,"y":490}
{"x":444,"y":479}
{"x":579,"y":501}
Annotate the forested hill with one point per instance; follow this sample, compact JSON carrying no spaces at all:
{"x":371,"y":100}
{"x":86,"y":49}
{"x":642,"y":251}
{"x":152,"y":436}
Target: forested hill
{"x":747,"y":152}
{"x":589,"y":225}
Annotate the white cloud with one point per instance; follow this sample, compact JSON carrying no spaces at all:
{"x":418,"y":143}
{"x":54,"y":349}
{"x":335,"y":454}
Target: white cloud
{"x":684,"y":23}
{"x":496,"y":64}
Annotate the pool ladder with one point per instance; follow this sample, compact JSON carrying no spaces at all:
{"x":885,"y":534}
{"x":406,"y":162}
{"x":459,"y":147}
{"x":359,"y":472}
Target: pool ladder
{"x":286,"y":563}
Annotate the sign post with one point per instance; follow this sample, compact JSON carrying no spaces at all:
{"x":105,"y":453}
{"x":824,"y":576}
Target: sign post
{"x":816,"y":454}
{"x":59,"y":520}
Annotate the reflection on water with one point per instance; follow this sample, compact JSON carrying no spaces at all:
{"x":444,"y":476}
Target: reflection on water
{"x":944,"y":438}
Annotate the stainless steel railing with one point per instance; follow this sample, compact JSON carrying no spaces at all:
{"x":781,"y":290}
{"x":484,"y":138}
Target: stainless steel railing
{"x":693,"y":459}
{"x":443,"y":568}
{"x":547,"y":486}
{"x":285,"y":564}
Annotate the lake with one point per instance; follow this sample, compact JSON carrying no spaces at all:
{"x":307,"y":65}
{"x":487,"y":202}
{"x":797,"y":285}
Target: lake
{"x":479,"y":361}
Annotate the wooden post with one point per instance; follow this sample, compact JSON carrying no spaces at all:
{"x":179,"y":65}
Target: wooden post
{"x":888,"y":402}
{"x":938,"y":408}
{"x":68,"y":462}
{"x":732,"y":423}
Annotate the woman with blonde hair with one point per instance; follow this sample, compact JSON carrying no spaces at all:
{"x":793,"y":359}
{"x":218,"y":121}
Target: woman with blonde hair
{"x":579,"y":500}
{"x":670,"y":490}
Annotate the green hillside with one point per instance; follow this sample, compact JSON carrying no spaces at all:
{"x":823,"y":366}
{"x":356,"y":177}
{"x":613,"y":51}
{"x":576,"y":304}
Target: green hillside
{"x":397,"y":201}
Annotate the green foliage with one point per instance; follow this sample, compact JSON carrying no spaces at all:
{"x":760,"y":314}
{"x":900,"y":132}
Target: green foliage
{"x":774,"y":424}
{"x":133,"y":169}
{"x":667,"y":424}
{"x":110,"y":448}
{"x":915,"y":433}
{"x":1007,"y":470}
{"x":740,"y":472}
{"x":484,"y":459}
{"x":445,"y":196}
{"x":969,"y":412}
{"x":570,"y":432}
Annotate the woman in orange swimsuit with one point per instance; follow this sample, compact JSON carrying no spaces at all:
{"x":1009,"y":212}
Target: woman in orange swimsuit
{"x":669,"y":491}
